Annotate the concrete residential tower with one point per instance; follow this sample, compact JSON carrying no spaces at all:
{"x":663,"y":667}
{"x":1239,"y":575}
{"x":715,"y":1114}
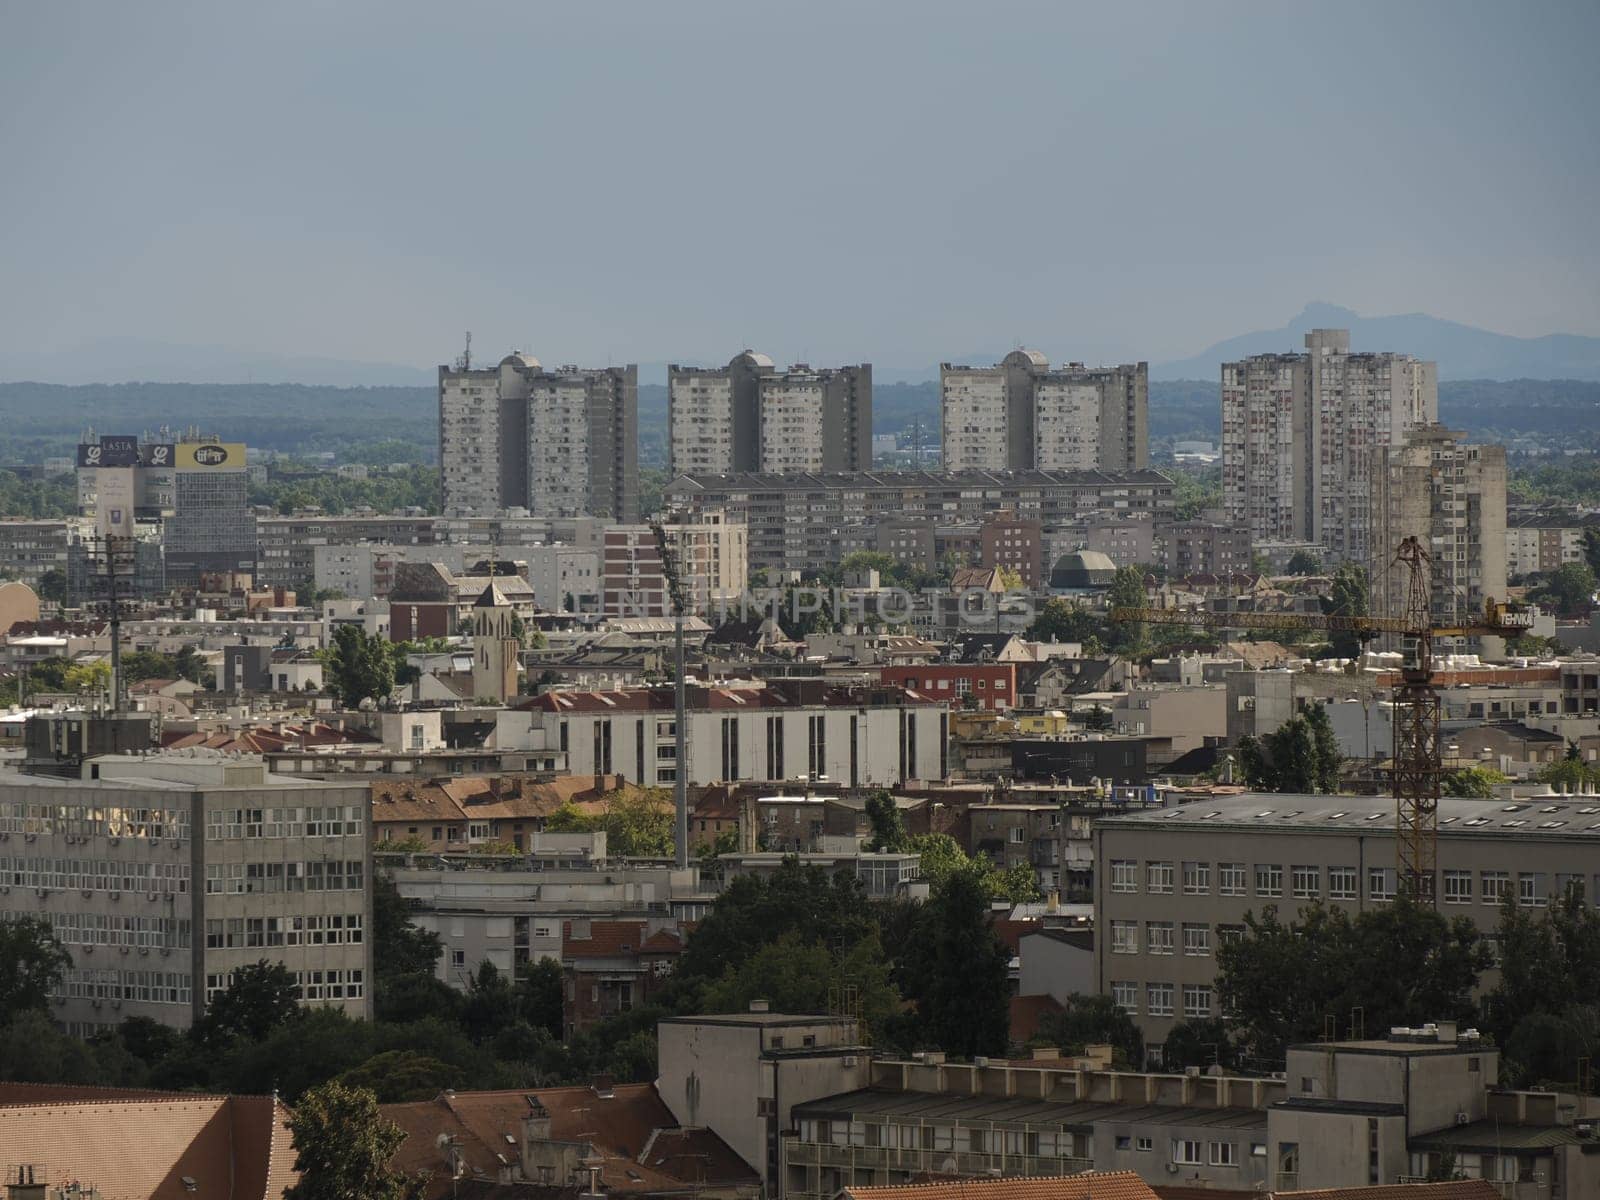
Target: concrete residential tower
{"x":714,"y":415}
{"x":560,"y":443}
{"x":1021,"y":415}
{"x":1301,"y":434}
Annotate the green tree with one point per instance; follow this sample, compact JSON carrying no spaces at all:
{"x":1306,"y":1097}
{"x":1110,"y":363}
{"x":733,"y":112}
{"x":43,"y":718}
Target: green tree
{"x":395,"y":1076}
{"x":343,"y":1146}
{"x":1301,"y":756}
{"x":1060,"y":620}
{"x":639,"y":824}
{"x":1348,"y":597}
{"x":888,"y":829}
{"x":31,"y":964}
{"x":1200,"y":1042}
{"x":491,"y":1003}
{"x":359,"y":666}
{"x":1094,"y":1020}
{"x":1591,"y":547}
{"x":539,"y":995}
{"x":799,"y":973}
{"x":1570,"y":588}
{"x":398,"y":946}
{"x":1304,"y":562}
{"x":957,"y":971}
{"x":261,"y":996}
{"x":87,"y":677}
{"x":1127,"y":591}
{"x":1401,"y":963}
{"x":52,"y":586}
{"x":1476,"y":782}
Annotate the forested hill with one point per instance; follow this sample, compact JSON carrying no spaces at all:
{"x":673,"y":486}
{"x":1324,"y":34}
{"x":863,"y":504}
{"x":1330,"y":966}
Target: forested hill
{"x":38,"y":419}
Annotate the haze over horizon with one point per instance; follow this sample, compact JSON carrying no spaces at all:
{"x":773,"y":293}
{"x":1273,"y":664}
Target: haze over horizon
{"x":900,"y":183}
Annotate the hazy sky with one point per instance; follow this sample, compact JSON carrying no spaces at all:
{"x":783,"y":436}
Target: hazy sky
{"x":894,"y":181}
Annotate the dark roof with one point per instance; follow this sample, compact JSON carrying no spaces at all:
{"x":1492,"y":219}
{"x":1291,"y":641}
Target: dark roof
{"x":1070,"y":1114}
{"x":1494,"y":1136}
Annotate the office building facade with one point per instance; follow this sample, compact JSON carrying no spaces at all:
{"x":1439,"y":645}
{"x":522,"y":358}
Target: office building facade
{"x":1172,"y":885}
{"x":162,"y":875}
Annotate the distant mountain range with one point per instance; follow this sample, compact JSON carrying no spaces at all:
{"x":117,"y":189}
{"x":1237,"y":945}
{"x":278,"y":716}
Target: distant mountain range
{"x":1461,"y":351}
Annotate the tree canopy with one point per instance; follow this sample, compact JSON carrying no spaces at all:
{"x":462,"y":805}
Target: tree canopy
{"x":343,"y":1145}
{"x":359,"y":666}
{"x":32,"y":962}
{"x":1301,"y":756}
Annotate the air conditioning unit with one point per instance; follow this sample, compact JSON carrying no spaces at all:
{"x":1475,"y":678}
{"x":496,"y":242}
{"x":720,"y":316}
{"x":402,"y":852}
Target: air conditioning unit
{"x":116,"y":895}
{"x":1192,"y":1072}
{"x":145,"y":951}
{"x":1172,"y":1168}
{"x":124,"y":949}
{"x":150,"y":896}
{"x":1463,"y":1119}
{"x":849,"y":1060}
{"x":89,"y":949}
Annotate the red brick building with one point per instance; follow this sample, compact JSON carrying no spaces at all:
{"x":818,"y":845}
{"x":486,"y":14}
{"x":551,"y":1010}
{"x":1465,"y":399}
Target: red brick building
{"x":992,"y":685}
{"x":1013,"y":545}
{"x":612,"y":967}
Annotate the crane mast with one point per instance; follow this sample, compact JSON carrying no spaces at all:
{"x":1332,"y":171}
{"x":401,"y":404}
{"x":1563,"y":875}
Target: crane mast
{"x":1416,"y":768}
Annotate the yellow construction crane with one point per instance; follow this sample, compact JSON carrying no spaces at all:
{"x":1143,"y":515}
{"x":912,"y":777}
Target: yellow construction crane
{"x":1416,"y":769}
{"x":680,"y":715}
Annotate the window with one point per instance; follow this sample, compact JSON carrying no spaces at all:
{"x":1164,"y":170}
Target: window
{"x":1144,"y":1144}
{"x":1494,"y":886}
{"x":1224,"y":1154}
{"x":1380,"y":883}
{"x":1306,"y":882}
{"x":1196,"y":1000}
{"x":1126,"y":995}
{"x":1342,"y":883}
{"x":1124,"y":875}
{"x":1532,"y":889}
{"x":1158,"y":999}
{"x":1197,"y":941}
{"x":1124,"y":1141}
{"x":1227,"y":934}
{"x":1196,"y":878}
{"x":1124,"y":937}
{"x":1186,"y":1152}
{"x":1016,"y":833}
{"x":1458,"y":887}
{"x":1158,"y":937}
{"x":458,"y":958}
{"x":1230,"y":879}
{"x":1269,"y":879}
{"x":1159,"y":878}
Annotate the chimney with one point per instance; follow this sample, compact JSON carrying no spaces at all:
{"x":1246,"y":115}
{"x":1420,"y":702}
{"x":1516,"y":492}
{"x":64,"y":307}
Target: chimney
{"x":536,"y":1124}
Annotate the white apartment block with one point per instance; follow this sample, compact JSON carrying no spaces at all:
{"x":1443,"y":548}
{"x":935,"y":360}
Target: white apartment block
{"x":1066,"y":424}
{"x":714,"y":416}
{"x":469,"y":439}
{"x":1301,"y":436}
{"x":161,"y":874}
{"x":1021,"y":415}
{"x":366,"y":570}
{"x":1361,"y":404}
{"x":975,"y":417}
{"x":784,"y":730}
{"x":791,"y":425}
{"x":1266,"y":472}
{"x":816,"y":420}
{"x":560,"y":443}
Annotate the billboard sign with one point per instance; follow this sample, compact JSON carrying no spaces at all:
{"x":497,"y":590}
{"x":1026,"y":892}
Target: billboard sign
{"x":158,"y":454}
{"x":119,"y":450}
{"x":205,"y":456}
{"x":113,"y":502}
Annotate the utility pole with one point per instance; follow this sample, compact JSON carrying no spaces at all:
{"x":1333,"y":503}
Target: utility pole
{"x":680,"y":776}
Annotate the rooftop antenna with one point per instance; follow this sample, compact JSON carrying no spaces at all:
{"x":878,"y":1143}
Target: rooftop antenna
{"x":464,"y":363}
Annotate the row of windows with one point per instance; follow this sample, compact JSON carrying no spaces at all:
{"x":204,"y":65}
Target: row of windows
{"x":109,"y":983}
{"x":93,"y":820}
{"x":1160,"y":998}
{"x":1036,"y":1143}
{"x":238,"y":879}
{"x":235,"y":933}
{"x":104,"y":929}
{"x":1160,"y":937}
{"x":314,"y":985}
{"x":1259,"y":879}
{"x":333,"y":821}
{"x":95,"y":874}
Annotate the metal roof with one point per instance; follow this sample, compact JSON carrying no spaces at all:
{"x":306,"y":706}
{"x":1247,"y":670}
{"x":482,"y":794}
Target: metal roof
{"x":1549,"y":817}
{"x":972,"y":1110}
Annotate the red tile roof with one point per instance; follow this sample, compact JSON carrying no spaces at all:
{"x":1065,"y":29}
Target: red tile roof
{"x":616,"y":939}
{"x":1092,"y":1185}
{"x":642,"y":1147}
{"x":141,"y":1146}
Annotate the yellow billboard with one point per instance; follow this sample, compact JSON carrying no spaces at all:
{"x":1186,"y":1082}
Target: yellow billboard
{"x":209,"y":456}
